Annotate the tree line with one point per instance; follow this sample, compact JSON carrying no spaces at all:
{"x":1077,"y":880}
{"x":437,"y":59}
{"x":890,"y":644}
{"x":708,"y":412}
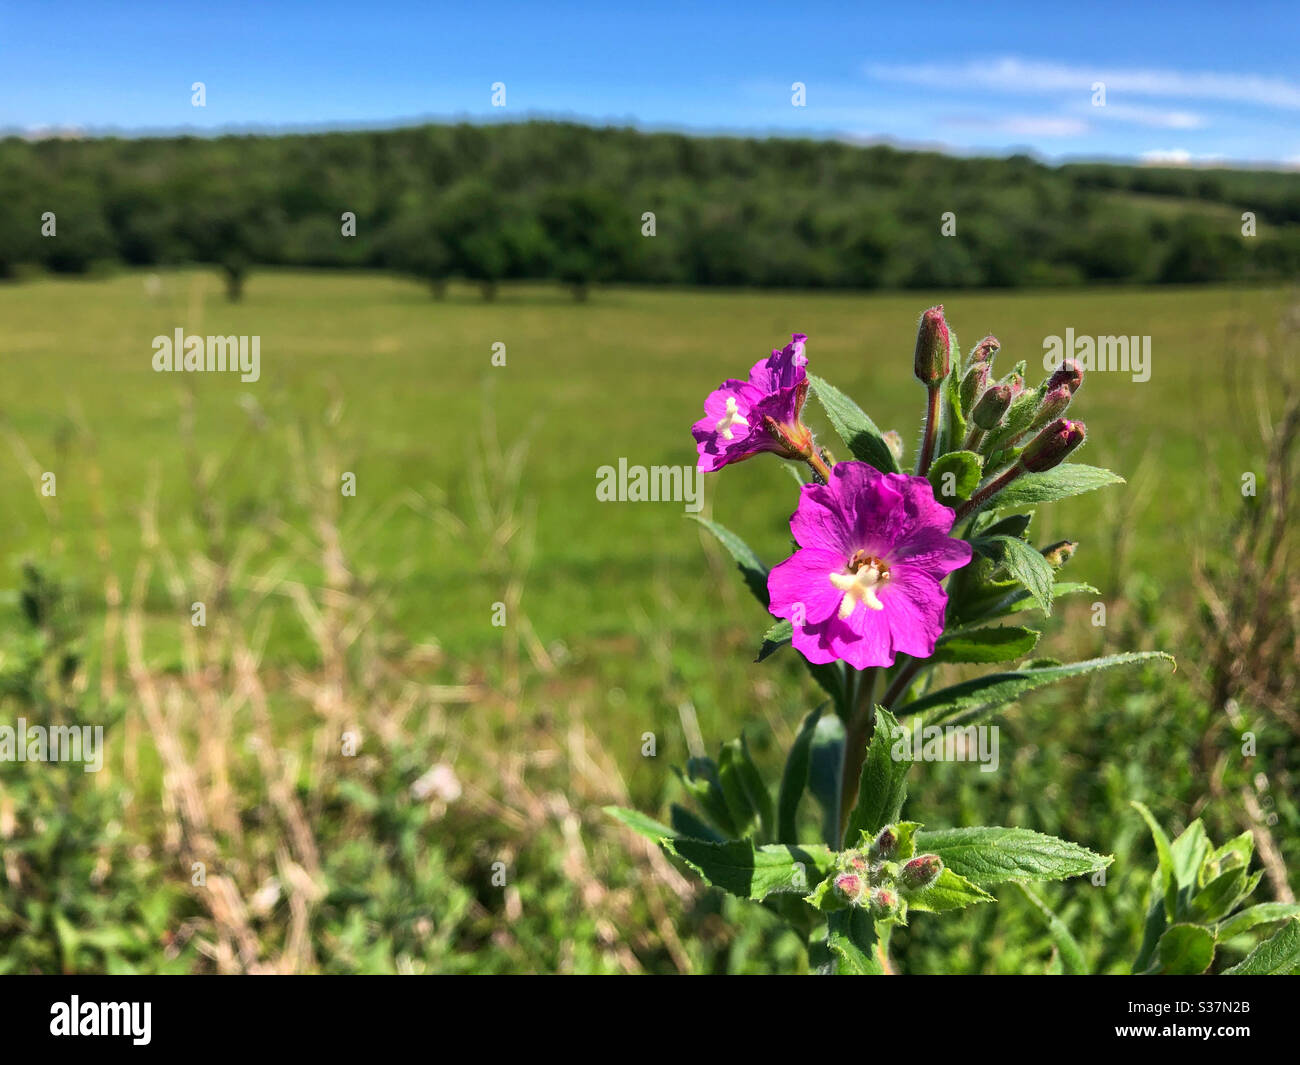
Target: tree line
{"x":584,"y":205}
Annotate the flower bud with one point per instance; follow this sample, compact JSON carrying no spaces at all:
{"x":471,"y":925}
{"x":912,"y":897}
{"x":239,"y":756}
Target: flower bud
{"x":1059,"y":553}
{"x":1050,"y":447}
{"x":883,"y":903}
{"x":1069,"y":374}
{"x":921,"y":872}
{"x":894,"y":441}
{"x":848,"y":886}
{"x":1015,"y":382}
{"x":885,"y":843}
{"x":973,"y":385}
{"x":932,"y":347}
{"x":1055,"y":403}
{"x":985,"y":350}
{"x":991,"y":406}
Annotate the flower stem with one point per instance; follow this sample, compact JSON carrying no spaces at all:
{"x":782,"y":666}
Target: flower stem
{"x":931,"y":431}
{"x":902,"y":681}
{"x":819,"y":465}
{"x":989,"y":490}
{"x":861,"y":724}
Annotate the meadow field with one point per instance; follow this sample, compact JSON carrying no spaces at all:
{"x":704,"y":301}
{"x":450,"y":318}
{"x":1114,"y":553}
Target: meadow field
{"x":462,"y":828}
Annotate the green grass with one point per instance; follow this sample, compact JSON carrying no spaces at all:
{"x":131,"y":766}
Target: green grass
{"x":620,"y":376}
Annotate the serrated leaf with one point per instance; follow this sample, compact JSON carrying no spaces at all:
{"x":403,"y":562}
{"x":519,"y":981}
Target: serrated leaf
{"x":977,"y":698}
{"x":1253,"y":916}
{"x":1067,"y":947}
{"x":1024,"y":601}
{"x":1000,"y":643}
{"x":958,"y":471}
{"x":995,"y":855}
{"x":851,"y":945}
{"x":1065,"y":480}
{"x":1216,"y":899}
{"x":794,"y":778}
{"x":750,"y":872}
{"x":858,"y":431}
{"x":1024,"y":562}
{"x":1183,"y":950}
{"x":950,"y":892}
{"x":754,"y":572}
{"x":686,"y":823}
{"x":1276,"y":956}
{"x":778,"y":636}
{"x":883,"y":784}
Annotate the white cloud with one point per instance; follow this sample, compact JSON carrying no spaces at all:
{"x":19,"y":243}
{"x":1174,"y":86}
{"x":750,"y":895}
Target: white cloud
{"x":1027,"y":125}
{"x":1010,"y":74}
{"x":1153,"y":117}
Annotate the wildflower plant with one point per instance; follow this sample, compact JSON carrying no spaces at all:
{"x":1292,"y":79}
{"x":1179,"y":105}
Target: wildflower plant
{"x":893,"y":575}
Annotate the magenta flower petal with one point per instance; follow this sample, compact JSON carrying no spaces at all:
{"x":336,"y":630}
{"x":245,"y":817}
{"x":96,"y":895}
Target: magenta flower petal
{"x":873,"y":551}
{"x":734,"y":426}
{"x":797,"y":588}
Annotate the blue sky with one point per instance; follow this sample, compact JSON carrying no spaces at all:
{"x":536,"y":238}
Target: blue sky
{"x":1213,"y":82}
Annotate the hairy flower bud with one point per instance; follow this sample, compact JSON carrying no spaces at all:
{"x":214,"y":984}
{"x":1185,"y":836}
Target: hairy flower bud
{"x":1015,"y":382}
{"x":985,"y":350}
{"x":1059,"y":553}
{"x":885,"y":843}
{"x":1069,"y":374}
{"x":991,"y":406}
{"x":849,"y":886}
{"x":1054,"y":404}
{"x":921,"y":872}
{"x":973,"y":385}
{"x":932,"y":347}
{"x":1050,"y":447}
{"x":883,"y":903}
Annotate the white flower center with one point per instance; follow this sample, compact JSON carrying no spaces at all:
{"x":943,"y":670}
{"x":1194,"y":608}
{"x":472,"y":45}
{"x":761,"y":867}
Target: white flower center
{"x":730,"y":418}
{"x":863,"y":575}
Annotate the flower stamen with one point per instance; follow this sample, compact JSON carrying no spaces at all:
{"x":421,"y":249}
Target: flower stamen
{"x":731,"y":417}
{"x":864,"y":574}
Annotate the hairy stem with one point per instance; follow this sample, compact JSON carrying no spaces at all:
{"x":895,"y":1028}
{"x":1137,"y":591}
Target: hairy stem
{"x":931,"y":431}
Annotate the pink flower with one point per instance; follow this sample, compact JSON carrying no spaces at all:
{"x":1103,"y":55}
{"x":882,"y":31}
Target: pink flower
{"x":865,"y":582}
{"x":743,"y":418}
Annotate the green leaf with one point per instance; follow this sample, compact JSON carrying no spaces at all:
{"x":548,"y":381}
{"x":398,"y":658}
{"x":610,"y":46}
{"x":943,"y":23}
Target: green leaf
{"x":639,"y":822}
{"x":1251,"y":917}
{"x":686,"y":823}
{"x":1184,"y":950}
{"x":704,"y":784}
{"x":1277,"y":956}
{"x":826,"y":774}
{"x":1189,"y":851}
{"x":1001,"y":643}
{"x":750,"y":872}
{"x":794,"y":778}
{"x":851,"y":944}
{"x":775,"y":638}
{"x":883,"y":785}
{"x":743,"y":787}
{"x":1165,"y":857}
{"x":1067,"y":479}
{"x":1024,"y":562}
{"x":995,"y":855}
{"x":1023,"y":601}
{"x":950,"y":892}
{"x":858,"y":432}
{"x":754,"y":572}
{"x":977,"y":698}
{"x":1217,"y":898}
{"x":1067,"y":947}
{"x":954,"y":476}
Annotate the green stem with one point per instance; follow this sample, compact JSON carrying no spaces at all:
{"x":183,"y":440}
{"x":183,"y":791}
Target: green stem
{"x":988,"y":491}
{"x":860,"y":725}
{"x":931,"y":431}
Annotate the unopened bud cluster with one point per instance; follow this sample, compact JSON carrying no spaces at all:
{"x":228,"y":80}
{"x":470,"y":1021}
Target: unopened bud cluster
{"x":880,"y":876}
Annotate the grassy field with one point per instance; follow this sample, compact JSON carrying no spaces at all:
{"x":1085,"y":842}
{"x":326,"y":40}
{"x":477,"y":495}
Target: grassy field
{"x":475,"y":484}
{"x":403,"y":388}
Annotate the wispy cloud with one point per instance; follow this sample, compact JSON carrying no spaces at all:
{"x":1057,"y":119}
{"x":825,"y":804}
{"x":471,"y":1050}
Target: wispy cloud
{"x":1153,"y":117}
{"x":1025,"y":125}
{"x":1013,"y":75}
